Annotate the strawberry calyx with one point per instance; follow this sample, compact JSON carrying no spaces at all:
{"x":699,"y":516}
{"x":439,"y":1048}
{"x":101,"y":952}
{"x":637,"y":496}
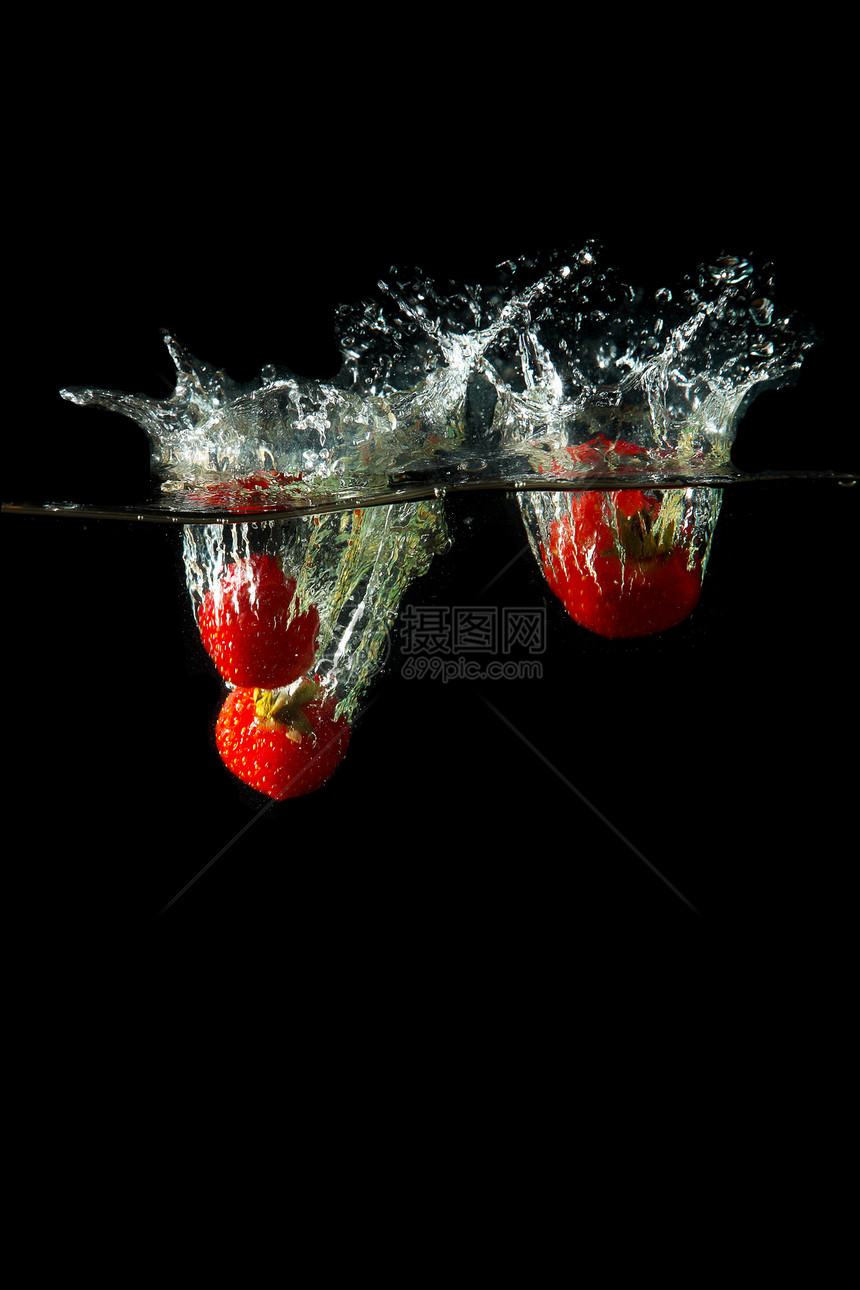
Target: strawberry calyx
{"x":285,"y":708}
{"x":639,"y":538}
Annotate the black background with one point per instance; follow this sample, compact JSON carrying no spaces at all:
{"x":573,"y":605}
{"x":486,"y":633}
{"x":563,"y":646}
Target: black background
{"x":445,"y":843}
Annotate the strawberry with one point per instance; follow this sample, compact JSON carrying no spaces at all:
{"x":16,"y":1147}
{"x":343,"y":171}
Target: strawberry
{"x":255,"y":493}
{"x":250,"y":627}
{"x":617,"y":567}
{"x":284,"y":743}
{"x":599,"y":453}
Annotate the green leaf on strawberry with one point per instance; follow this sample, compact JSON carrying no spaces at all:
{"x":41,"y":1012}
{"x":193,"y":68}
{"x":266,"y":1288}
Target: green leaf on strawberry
{"x":284,"y":743}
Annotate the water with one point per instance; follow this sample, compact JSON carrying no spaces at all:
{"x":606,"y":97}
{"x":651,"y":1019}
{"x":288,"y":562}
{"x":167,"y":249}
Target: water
{"x":446,"y":386}
{"x":352,"y":566}
{"x":635,"y":730}
{"x":466,"y":385}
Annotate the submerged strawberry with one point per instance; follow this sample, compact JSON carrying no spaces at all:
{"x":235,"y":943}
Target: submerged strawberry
{"x":284,"y":743}
{"x":617,"y":564}
{"x":250,"y":626}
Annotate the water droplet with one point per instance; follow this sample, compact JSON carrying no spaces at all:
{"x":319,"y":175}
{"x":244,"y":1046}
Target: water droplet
{"x":762,"y":348}
{"x":761,"y":309}
{"x":729,"y":269}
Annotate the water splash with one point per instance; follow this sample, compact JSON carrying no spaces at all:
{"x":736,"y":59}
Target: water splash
{"x":489,"y":383}
{"x":353,"y":567}
{"x":570,"y":350}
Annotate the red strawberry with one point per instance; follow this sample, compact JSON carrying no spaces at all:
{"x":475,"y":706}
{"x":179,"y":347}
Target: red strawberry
{"x":255,"y":493}
{"x":283,"y":743}
{"x":249,"y":625}
{"x":599,"y":452}
{"x":615,"y":567}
